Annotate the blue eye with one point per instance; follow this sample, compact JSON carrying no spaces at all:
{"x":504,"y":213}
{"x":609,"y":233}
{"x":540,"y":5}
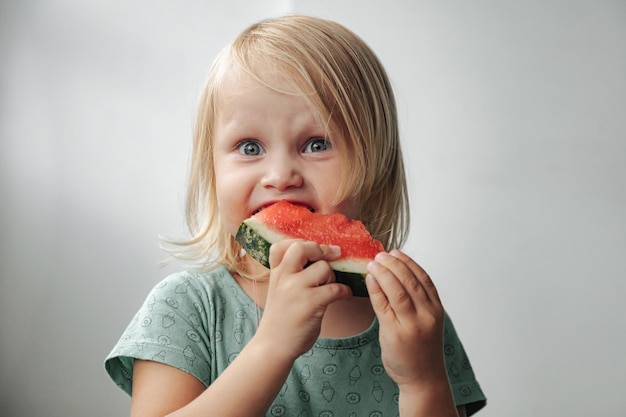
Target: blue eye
{"x":250,"y":148}
{"x":317,"y":145}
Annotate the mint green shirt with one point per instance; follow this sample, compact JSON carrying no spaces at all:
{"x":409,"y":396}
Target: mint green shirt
{"x":199,"y":322}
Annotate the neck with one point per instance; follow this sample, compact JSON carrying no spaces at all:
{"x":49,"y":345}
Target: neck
{"x":345,"y":318}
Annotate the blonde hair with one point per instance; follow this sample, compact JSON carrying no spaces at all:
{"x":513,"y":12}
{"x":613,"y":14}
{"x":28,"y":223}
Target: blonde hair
{"x":345,"y":82}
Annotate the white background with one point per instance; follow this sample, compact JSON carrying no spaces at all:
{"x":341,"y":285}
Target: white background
{"x":513,"y":116}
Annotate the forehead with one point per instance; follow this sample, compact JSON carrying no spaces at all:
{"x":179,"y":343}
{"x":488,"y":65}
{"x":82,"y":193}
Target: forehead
{"x":235,"y":74}
{"x":262,"y":87}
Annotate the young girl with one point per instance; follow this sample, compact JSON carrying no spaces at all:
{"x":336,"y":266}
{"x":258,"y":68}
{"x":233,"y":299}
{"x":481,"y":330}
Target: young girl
{"x":297,"y":109}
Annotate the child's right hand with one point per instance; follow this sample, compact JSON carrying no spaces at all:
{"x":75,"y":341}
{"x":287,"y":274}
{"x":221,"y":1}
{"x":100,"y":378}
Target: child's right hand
{"x":301,"y":286}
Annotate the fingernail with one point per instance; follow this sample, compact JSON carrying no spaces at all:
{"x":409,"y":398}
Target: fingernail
{"x":381,"y":255}
{"x":334,"y":250}
{"x":395,"y":252}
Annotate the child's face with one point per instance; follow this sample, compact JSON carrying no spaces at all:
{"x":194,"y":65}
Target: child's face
{"x":269,"y":146}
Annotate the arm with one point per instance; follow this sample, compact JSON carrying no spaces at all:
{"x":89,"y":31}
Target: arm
{"x":160,"y":389}
{"x":411,"y":320}
{"x":256,"y":376}
{"x":294,"y":308}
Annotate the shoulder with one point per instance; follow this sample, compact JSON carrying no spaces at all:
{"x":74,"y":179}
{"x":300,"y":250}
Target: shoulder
{"x":183,"y":303}
{"x":194,"y":293}
{"x":191,"y":285}
{"x":184,"y":282}
{"x":174,"y":326}
{"x":198,"y":297}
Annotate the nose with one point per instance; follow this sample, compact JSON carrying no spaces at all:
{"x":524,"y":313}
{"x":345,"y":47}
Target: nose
{"x":282,"y":175}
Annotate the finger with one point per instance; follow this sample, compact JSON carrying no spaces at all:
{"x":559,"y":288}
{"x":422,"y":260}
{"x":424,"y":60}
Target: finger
{"x":332,"y":292}
{"x":302,"y":253}
{"x":396,"y":281}
{"x":318,"y":273}
{"x":425,"y":281}
{"x":330,"y":252}
{"x":305,"y":251}
{"x":278,"y":250}
{"x":406,"y":277}
{"x":377,"y":296}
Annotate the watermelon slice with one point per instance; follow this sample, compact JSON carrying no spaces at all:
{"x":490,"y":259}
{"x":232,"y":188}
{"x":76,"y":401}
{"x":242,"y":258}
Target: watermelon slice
{"x":284,"y":220}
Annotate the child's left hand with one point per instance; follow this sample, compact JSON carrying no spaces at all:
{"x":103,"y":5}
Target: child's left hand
{"x":411,"y":319}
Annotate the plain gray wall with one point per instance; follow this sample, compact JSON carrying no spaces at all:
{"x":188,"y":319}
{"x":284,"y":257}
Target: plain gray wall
{"x":514,"y":120}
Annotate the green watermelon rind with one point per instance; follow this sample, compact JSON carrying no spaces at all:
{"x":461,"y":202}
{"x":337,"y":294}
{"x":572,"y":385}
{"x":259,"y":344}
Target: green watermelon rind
{"x":256,"y":240}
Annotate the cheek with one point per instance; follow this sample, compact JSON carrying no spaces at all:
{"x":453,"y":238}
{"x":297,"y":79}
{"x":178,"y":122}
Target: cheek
{"x":226,"y":180}
{"x":233,"y":192}
{"x":226,"y":206}
{"x":227,"y":200}
{"x":229,"y":218}
{"x":333,"y":188}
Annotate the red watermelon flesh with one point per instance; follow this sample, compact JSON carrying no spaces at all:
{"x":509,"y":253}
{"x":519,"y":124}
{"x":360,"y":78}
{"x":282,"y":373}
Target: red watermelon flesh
{"x":298,"y":222}
{"x":284,"y":220}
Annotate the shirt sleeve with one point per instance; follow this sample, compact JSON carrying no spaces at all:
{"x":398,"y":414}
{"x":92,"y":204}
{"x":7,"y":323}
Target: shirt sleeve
{"x":169,"y":328}
{"x":465,"y":387}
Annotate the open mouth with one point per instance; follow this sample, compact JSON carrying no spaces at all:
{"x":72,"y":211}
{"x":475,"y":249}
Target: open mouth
{"x":295,"y":203}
